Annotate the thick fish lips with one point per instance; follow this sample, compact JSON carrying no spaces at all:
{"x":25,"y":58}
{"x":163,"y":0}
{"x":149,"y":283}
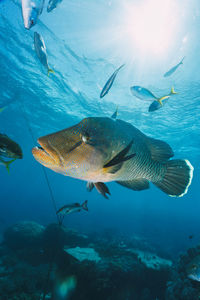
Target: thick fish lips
{"x":45,"y":154}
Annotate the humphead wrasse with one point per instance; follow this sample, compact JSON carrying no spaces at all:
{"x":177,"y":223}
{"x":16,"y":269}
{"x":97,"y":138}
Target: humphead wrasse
{"x":100,"y":150}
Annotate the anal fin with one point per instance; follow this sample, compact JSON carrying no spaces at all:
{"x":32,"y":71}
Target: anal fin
{"x":135,"y":184}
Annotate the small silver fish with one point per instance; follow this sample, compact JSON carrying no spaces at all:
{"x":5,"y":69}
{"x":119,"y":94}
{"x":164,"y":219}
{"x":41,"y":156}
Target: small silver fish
{"x":41,"y":52}
{"x":173,"y":69}
{"x":142,"y":93}
{"x":52,"y":5}
{"x":31,"y":9}
{"x":72,"y":208}
{"x":109,"y":83}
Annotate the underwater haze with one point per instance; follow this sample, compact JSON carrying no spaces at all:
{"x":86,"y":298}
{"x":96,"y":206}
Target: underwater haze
{"x":86,"y":41}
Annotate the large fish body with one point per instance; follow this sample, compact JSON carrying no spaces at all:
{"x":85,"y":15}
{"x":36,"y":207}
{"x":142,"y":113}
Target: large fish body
{"x":84,"y":151}
{"x":173,"y":69}
{"x":41,"y":52}
{"x":31,"y":9}
{"x":109,"y":83}
{"x":52,"y":4}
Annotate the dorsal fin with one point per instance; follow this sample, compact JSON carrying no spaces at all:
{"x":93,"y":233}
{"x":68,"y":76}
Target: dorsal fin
{"x":160,"y":151}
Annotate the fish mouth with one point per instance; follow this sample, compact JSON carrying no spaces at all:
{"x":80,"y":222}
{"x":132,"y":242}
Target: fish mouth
{"x":45,"y":154}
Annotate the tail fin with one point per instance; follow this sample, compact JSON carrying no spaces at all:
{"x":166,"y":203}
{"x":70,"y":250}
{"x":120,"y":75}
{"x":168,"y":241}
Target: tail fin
{"x":50,"y":71}
{"x":7,"y":164}
{"x":177,"y":179}
{"x":172,"y":92}
{"x":162,"y":98}
{"x":84,"y":205}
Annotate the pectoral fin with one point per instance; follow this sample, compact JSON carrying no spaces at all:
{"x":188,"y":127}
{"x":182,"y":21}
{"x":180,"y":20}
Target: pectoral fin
{"x":136,"y":184}
{"x":102,"y":189}
{"x":116,"y":162}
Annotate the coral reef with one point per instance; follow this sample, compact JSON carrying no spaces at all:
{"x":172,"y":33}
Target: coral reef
{"x":83,"y":254}
{"x":103,"y":267}
{"x":23,"y":234}
{"x":184,"y":283}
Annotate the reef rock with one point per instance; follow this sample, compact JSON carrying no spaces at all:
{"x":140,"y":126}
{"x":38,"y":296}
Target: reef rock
{"x":84,"y":254}
{"x":184,"y":283}
{"x":151,"y":260}
{"x":23,"y":235}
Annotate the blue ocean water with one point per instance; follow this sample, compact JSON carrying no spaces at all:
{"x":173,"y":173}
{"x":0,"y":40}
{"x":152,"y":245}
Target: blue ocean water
{"x":86,"y":42}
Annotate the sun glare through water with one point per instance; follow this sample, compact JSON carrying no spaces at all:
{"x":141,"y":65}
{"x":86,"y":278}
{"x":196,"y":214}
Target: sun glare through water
{"x":151,"y":25}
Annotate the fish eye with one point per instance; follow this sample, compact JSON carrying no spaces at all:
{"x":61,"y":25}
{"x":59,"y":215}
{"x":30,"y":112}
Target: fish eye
{"x":32,"y":21}
{"x":85,"y":137}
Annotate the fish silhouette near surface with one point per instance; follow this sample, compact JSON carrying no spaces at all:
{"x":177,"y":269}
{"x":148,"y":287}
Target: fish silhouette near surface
{"x":173,"y":69}
{"x":100,"y":150}
{"x":72,"y":208}
{"x":52,"y":4}
{"x":31,"y":9}
{"x":41,"y":52}
{"x":114,"y":115}
{"x":9,"y":149}
{"x":144,"y":94}
{"x":157,"y":104}
{"x":109,"y":82}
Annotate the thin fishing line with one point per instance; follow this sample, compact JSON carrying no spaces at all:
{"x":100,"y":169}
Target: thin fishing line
{"x":59,"y":218}
{"x":43,"y":168}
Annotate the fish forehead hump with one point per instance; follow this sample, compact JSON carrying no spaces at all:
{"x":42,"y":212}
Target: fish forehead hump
{"x":95,"y":127}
